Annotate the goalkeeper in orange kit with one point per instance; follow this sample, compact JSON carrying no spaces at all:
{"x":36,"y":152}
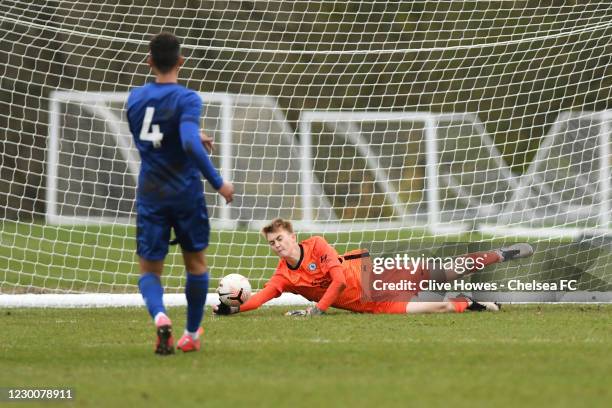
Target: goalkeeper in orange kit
{"x":313,"y":269}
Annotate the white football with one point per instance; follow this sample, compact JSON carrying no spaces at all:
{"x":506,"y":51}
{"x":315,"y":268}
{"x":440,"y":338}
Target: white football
{"x":234,"y":289}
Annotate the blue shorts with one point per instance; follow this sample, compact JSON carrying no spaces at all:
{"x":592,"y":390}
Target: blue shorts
{"x":153,"y":223}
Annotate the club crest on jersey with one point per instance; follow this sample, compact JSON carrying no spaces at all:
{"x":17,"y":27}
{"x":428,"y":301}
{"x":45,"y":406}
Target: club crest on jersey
{"x":312,"y":266}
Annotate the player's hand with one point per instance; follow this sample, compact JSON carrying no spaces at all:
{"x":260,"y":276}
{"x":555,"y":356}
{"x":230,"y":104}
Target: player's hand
{"x":311,"y":311}
{"x":207,"y":141}
{"x":223,"y":310}
{"x":315,"y":311}
{"x":227,"y":191}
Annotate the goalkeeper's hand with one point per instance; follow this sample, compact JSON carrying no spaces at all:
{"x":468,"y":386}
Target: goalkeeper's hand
{"x":223,"y":310}
{"x":311,"y":311}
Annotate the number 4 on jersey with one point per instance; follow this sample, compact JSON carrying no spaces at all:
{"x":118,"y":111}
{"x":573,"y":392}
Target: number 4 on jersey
{"x":155,"y":136}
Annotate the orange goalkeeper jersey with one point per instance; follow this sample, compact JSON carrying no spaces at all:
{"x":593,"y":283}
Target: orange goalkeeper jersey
{"x":319,"y":266}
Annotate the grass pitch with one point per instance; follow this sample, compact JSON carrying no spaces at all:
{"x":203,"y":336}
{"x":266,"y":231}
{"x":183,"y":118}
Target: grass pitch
{"x":556,"y":355}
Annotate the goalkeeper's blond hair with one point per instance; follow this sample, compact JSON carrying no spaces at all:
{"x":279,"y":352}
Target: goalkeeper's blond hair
{"x":275,"y":225}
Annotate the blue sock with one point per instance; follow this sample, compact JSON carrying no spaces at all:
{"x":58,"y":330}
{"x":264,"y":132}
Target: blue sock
{"x":152,"y":293}
{"x":196,"y":290}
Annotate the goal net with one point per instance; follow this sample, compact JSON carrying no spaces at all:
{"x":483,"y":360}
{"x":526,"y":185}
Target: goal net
{"x":425,"y":126}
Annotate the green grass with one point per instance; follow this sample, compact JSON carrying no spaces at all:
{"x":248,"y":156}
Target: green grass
{"x":521,"y":357}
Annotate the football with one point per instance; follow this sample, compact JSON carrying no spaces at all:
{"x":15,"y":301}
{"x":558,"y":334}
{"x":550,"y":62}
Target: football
{"x":234,"y":289}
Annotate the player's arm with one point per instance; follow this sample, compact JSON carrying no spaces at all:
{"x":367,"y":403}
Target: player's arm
{"x":329,"y":297}
{"x":268,"y":293}
{"x":334,"y":290}
{"x":331,"y":265}
{"x":207,"y":142}
{"x":273,"y":289}
{"x":192,"y":144}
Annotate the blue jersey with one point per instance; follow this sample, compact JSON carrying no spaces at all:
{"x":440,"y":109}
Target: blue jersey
{"x":164,"y":120}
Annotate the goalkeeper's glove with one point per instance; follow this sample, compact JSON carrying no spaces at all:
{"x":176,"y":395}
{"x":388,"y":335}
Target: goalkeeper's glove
{"x":311,"y":311}
{"x":223,"y":310}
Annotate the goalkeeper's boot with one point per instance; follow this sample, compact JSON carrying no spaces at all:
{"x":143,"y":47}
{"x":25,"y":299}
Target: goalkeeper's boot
{"x":475,"y":306}
{"x":188,"y":343}
{"x":484,"y":306}
{"x":515,"y":251}
{"x":165,"y":342}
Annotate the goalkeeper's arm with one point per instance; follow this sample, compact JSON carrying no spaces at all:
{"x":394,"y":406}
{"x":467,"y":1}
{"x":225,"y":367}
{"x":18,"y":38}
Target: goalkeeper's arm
{"x":329,"y":297}
{"x":334,"y":290}
{"x":272,"y":291}
{"x":267,"y":293}
{"x":258,"y":299}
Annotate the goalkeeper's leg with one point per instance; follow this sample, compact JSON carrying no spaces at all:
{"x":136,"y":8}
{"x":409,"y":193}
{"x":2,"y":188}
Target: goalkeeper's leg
{"x":459,"y":304}
{"x":480,"y":260}
{"x":454,"y":305}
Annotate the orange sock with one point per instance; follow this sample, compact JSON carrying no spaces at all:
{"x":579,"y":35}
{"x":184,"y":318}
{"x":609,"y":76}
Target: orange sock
{"x":460,"y":304}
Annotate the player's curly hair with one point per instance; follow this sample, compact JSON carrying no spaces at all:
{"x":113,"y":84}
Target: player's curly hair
{"x":276,"y":224}
{"x":165,"y":49}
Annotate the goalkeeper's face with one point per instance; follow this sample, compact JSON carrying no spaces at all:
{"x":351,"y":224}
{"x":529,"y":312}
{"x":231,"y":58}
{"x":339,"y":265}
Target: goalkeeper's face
{"x":283,"y":243}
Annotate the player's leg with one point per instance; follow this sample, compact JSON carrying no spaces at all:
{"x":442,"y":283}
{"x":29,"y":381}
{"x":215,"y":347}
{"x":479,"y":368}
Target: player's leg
{"x":413,"y":306}
{"x":192,"y":232}
{"x":480,"y":260}
{"x":152,"y":235}
{"x":196,"y":289}
{"x":416,"y":306}
{"x":454,"y":305}
{"x":150,"y":286}
{"x":430,"y":307}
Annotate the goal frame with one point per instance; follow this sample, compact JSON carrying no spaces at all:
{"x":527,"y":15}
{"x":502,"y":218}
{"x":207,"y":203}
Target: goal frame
{"x":431,"y":122}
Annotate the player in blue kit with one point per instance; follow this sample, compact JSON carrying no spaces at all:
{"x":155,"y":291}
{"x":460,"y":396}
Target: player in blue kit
{"x":164,"y":119}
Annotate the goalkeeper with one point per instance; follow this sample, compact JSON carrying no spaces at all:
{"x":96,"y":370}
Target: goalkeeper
{"x":313,"y":269}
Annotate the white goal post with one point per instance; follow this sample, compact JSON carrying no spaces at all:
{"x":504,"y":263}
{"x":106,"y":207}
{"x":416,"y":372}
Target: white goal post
{"x":502,"y":203}
{"x":496,"y":205}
